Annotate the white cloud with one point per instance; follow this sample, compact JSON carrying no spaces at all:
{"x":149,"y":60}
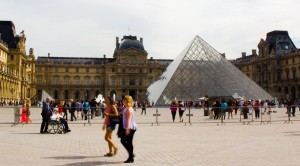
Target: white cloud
{"x":88,"y":28}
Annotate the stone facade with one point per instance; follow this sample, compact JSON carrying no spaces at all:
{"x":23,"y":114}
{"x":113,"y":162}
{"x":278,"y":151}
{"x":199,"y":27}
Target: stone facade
{"x":129,"y":71}
{"x":17,"y":69}
{"x":276,"y":67}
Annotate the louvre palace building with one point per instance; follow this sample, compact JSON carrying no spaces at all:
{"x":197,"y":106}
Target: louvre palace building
{"x":276,"y":66}
{"x":129,"y":71}
{"x":17,"y":69}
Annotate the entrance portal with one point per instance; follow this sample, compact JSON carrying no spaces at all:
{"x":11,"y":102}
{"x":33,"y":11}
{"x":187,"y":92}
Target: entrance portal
{"x":132,"y":94}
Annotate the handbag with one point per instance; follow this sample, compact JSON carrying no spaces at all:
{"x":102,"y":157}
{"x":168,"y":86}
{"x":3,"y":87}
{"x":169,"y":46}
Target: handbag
{"x":114,"y":120}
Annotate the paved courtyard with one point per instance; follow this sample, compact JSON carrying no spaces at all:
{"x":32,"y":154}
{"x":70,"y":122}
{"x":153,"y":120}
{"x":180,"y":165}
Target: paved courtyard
{"x":201,"y":143}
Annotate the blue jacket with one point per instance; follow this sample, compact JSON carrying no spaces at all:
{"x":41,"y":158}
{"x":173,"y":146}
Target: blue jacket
{"x":224,"y":106}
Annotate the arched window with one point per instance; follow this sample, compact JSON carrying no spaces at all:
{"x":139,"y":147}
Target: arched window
{"x":66,"y":94}
{"x":56,"y":94}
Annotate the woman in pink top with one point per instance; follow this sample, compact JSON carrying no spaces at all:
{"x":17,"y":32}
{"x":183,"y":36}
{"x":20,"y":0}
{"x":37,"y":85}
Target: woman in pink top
{"x":110,"y":111}
{"x":173,"y":109}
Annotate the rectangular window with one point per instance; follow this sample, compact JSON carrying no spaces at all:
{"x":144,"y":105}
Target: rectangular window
{"x":76,"y":81}
{"x":55,"y":80}
{"x":87,"y":70}
{"x":97,"y":81}
{"x":131,"y":81}
{"x":67,"y":69}
{"x":278,"y":76}
{"x":123,"y":81}
{"x":113,"y":81}
{"x":87,"y":81}
{"x":39,"y":80}
{"x":77,"y":70}
{"x":150,"y":81}
{"x":140,"y":82}
{"x":66,"y":81}
{"x":294,"y":74}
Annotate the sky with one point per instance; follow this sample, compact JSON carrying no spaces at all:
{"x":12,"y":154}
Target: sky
{"x":88,"y":28}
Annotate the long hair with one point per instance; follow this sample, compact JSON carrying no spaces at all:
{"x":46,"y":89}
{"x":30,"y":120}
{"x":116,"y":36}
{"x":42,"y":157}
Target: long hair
{"x":110,"y":100}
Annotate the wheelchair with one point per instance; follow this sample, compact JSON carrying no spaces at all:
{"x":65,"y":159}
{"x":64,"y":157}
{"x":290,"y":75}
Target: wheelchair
{"x":56,"y":127}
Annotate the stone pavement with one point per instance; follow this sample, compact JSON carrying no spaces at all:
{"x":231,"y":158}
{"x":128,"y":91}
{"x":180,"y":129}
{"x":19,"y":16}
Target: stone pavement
{"x":202,"y":144}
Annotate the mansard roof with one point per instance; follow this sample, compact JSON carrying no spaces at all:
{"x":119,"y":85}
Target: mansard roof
{"x":7,"y":31}
{"x":74,"y":60}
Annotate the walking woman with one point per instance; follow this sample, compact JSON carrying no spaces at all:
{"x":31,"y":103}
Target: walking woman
{"x":173,"y":109}
{"x":110,"y":111}
{"x":129,"y":126}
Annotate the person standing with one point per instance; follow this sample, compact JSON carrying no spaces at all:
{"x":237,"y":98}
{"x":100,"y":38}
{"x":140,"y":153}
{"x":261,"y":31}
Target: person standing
{"x":65,"y":109}
{"x":28,"y":105}
{"x":217,"y":109}
{"x":46,"y":113}
{"x":86,"y":107}
{"x":103,"y":106}
{"x":143,"y":107}
{"x":72,"y":110}
{"x":224,"y":107}
{"x":256,"y":108}
{"x":24,"y":118}
{"x":181,"y":109}
{"x":129,"y":127}
{"x":110,"y":111}
{"x":173,"y":109}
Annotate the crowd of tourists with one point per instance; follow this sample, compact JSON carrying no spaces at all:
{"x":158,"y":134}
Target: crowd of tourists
{"x":225,"y":108}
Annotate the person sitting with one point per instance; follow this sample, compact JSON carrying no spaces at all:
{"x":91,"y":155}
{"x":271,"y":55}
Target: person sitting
{"x":57,"y":117}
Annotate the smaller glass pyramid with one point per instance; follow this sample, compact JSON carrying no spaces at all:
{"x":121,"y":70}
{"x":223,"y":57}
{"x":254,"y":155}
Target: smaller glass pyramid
{"x":200,"y":70}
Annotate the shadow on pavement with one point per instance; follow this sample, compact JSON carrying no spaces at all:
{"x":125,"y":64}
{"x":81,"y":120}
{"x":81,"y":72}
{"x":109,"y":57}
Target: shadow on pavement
{"x":91,"y":163}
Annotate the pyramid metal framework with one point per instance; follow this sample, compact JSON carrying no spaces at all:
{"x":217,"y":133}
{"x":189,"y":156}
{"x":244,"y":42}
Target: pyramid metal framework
{"x":200,"y":70}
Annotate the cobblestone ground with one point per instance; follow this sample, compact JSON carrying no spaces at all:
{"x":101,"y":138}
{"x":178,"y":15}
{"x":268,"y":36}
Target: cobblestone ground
{"x":203,"y":142}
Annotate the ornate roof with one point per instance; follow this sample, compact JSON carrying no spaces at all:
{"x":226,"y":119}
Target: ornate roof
{"x":130,"y":42}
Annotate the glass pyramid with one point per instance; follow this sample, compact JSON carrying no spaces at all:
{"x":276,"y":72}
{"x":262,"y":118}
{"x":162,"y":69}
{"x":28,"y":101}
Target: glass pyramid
{"x":200,"y":70}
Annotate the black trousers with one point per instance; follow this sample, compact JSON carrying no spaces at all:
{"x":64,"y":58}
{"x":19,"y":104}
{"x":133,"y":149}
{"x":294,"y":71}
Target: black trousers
{"x":126,"y":141}
{"x":73,"y":115}
{"x":85,"y":114}
{"x":65,"y":114}
{"x":63,"y":121}
{"x":44,"y":125}
{"x":173,"y":115}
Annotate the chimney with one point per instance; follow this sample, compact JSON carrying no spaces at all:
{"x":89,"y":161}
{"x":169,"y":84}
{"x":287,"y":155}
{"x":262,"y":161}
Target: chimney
{"x":254,"y":52}
{"x":243,"y":54}
{"x":117,"y":42}
{"x":48,"y":55}
{"x":104,"y":56}
{"x":31,"y":51}
{"x":141,"y":40}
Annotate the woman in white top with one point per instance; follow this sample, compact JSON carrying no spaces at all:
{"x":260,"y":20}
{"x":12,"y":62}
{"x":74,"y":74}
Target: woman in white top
{"x":129,"y":126}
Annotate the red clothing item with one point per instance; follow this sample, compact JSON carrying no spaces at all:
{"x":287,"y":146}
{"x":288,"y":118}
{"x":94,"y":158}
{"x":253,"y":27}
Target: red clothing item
{"x":107,"y":110}
{"x":256,"y":106}
{"x":60,"y":110}
{"x":24,"y":118}
{"x":173,"y":108}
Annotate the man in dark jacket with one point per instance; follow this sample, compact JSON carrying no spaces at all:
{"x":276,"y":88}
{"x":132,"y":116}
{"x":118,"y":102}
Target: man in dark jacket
{"x":46,"y":113}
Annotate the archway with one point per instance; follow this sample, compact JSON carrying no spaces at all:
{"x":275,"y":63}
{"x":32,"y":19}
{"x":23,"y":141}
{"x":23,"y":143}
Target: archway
{"x":56,"y":94}
{"x":87,"y":95}
{"x":66,"y":94}
{"x":286,"y":92}
{"x":293,"y":93}
{"x":76,"y":95}
{"x":132,"y":94}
